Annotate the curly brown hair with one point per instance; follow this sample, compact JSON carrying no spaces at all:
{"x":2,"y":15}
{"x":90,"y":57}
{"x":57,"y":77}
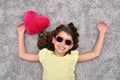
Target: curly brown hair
{"x":45,"y":37}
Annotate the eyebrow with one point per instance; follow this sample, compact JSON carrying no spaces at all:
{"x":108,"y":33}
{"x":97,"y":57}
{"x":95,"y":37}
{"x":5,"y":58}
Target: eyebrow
{"x":64,"y":38}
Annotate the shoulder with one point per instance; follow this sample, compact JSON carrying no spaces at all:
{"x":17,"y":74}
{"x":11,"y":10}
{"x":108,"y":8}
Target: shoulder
{"x":73,"y":55}
{"x":43,"y":50}
{"x":75,"y":52}
{"x":43,"y":53}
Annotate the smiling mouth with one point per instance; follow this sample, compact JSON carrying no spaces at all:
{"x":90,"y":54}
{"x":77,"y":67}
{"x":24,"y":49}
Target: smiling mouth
{"x":61,"y":48}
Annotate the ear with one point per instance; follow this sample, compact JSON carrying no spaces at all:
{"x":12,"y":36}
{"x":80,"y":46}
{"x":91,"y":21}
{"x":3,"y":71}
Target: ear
{"x":53,"y":40}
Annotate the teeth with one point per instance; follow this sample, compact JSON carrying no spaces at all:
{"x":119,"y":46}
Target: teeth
{"x":61,"y":48}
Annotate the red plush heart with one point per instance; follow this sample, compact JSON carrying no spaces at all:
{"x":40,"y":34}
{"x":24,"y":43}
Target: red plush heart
{"x":35,"y":23}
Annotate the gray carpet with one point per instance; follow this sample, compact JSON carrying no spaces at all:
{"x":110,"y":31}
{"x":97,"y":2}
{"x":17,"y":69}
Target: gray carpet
{"x":85,"y":14}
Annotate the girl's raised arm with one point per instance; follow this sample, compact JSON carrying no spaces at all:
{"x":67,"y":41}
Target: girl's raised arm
{"x":22,"y":53}
{"x":102,"y":27}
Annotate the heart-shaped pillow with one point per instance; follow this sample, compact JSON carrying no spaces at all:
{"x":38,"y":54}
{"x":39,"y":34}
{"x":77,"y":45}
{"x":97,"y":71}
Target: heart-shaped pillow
{"x":35,"y":23}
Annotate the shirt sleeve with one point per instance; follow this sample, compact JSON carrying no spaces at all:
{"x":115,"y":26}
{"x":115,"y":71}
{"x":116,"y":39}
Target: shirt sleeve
{"x":74,"y":55}
{"x":42,"y":54}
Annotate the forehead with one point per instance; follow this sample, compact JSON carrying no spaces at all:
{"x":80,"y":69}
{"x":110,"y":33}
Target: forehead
{"x":65,"y":35}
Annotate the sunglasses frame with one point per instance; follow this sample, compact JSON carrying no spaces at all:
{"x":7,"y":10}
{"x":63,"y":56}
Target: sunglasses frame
{"x":65,"y":40}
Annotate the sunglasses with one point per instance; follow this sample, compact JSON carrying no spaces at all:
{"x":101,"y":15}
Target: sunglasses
{"x":67,"y":41}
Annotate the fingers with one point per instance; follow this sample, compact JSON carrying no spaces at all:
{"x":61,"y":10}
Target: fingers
{"x":20,"y":24}
{"x":21,"y":28}
{"x":102,"y":27}
{"x":101,"y":23}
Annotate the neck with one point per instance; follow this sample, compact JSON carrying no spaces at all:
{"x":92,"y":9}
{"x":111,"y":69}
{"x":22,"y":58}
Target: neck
{"x":59,"y":54}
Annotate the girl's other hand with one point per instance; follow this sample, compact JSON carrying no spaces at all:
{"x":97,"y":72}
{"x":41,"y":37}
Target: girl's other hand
{"x":102,"y":27}
{"x":21,"y":28}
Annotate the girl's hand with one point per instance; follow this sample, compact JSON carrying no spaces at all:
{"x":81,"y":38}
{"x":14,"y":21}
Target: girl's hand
{"x":102,"y":27}
{"x":21,"y":28}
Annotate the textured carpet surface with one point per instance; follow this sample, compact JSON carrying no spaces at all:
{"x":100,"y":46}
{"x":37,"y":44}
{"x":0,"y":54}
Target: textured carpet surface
{"x":85,"y":14}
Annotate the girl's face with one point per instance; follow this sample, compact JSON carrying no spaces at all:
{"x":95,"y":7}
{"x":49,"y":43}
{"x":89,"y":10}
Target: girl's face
{"x":62,"y":43}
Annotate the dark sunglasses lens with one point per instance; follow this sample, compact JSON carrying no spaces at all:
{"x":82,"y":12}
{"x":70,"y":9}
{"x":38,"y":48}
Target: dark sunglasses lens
{"x":68,"y":42}
{"x":59,"y":39}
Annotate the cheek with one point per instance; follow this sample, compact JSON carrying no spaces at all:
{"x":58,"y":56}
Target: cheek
{"x":71,"y":46}
{"x":55,"y":43}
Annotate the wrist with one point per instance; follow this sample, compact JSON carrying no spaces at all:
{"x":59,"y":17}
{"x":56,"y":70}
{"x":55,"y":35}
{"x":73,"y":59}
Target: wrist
{"x":20,"y":34}
{"x":102,"y":33}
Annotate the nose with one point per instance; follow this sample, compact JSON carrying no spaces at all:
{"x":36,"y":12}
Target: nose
{"x":63,"y":43}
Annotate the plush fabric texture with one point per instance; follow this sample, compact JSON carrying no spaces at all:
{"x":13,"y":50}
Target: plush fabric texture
{"x":35,"y":23}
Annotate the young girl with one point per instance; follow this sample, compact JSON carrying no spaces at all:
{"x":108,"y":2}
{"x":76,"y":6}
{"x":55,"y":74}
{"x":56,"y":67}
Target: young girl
{"x":58,"y":54}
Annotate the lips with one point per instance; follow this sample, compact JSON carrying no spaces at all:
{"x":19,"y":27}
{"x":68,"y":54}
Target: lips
{"x":61,"y":48}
